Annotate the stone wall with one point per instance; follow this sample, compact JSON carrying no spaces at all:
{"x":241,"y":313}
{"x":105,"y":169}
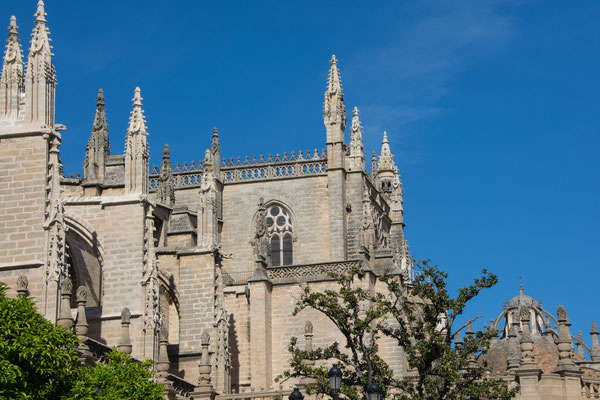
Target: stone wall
{"x":306,"y":199}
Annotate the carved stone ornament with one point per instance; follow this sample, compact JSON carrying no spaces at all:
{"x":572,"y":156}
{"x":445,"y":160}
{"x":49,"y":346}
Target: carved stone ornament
{"x":82,"y":293}
{"x":308,"y":328}
{"x":205,"y":338}
{"x":562,"y":314}
{"x":125,"y":315}
{"x":164,"y":334}
{"x":22,"y":282}
{"x":66,"y":286}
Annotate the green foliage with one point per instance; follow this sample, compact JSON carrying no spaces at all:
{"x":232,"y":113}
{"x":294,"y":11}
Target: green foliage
{"x":119,"y":378}
{"x":423,"y":316}
{"x":354,"y":311}
{"x":37,"y":360}
{"x":420,"y":317}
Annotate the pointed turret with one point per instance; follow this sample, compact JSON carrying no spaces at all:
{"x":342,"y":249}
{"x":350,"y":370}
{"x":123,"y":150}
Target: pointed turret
{"x":357,"y":155}
{"x":334,"y":117}
{"x":215,"y":150}
{"x":335,"y":110}
{"x":40,"y":79}
{"x":386,"y":167}
{"x":98,"y":148}
{"x":166,"y":185}
{"x":11,"y":81}
{"x":136,"y":149}
{"x":595,"y":352}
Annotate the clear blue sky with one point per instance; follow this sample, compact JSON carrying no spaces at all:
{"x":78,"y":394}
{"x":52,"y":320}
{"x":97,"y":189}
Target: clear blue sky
{"x":491,"y":107}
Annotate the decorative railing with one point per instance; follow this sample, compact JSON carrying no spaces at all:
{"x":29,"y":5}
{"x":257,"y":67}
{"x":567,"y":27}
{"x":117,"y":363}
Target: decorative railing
{"x":181,"y":386}
{"x":590,"y":387}
{"x":309,"y":272}
{"x":261,"y":168}
{"x":99,"y":350}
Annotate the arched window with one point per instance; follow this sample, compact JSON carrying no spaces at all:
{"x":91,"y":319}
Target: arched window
{"x":279,"y":225}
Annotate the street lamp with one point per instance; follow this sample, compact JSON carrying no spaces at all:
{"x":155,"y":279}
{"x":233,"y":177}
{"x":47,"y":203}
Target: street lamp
{"x":335,"y":380}
{"x":374,"y":391}
{"x":296,"y":395}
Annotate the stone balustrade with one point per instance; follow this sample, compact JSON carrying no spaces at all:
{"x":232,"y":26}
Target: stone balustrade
{"x":278,"y":167}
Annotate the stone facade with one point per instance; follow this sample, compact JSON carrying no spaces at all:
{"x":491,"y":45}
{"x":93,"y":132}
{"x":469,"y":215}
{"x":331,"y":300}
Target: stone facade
{"x":197,"y":265}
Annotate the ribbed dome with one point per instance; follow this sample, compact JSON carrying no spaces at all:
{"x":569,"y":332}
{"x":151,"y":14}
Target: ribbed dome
{"x":522,"y":300}
{"x":545,"y":354}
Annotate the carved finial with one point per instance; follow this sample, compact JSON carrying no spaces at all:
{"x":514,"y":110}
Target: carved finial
{"x":40,"y":13}
{"x":215,"y":140}
{"x":562,"y":314}
{"x":357,"y":156}
{"x":164,"y":334}
{"x":469,"y":331}
{"x":594,"y":328}
{"x":137,"y":121}
{"x":82,"y":293}
{"x":520,"y":285}
{"x":308,"y":327}
{"x":205,"y":338}
{"x":66,"y":286}
{"x":125,"y":315}
{"x":458,"y":340}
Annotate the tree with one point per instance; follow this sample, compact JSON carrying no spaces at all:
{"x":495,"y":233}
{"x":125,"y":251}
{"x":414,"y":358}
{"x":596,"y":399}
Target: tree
{"x":355,"y":312}
{"x":120,"y":377}
{"x":37,"y":360}
{"x":420,"y":317}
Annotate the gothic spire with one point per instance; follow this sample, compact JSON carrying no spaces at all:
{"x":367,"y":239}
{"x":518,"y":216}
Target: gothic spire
{"x":357,"y":156}
{"x":40,"y":77}
{"x":11,"y":81}
{"x":137,"y":121}
{"x":98,"y":148}
{"x":136,"y":149}
{"x":335,"y":110}
{"x":386,"y":159}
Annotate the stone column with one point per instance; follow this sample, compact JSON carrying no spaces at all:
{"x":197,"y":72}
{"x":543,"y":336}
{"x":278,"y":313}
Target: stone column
{"x":514,"y":349}
{"x":125,"y":341}
{"x":569,"y":372}
{"x":308,"y":338}
{"x":204,"y":390}
{"x":81,"y":327}
{"x":260,"y":329}
{"x":529,"y":373}
{"x":65,"y":319}
{"x":162,"y":366}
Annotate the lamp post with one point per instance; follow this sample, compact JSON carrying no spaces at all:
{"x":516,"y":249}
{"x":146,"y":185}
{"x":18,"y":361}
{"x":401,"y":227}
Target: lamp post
{"x":335,"y":380}
{"x":374,"y":391}
{"x":296,"y":395}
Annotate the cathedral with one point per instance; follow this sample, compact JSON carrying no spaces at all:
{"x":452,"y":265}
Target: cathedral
{"x":198,"y":265}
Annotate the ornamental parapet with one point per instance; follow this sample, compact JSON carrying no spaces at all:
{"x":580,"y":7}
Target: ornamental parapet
{"x":256,"y":169}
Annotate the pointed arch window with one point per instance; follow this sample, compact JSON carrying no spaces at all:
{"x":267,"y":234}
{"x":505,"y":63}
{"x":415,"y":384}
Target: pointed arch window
{"x":280,"y":229}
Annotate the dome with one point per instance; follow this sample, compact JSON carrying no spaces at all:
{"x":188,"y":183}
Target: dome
{"x":522,"y":300}
{"x":545,"y":354}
